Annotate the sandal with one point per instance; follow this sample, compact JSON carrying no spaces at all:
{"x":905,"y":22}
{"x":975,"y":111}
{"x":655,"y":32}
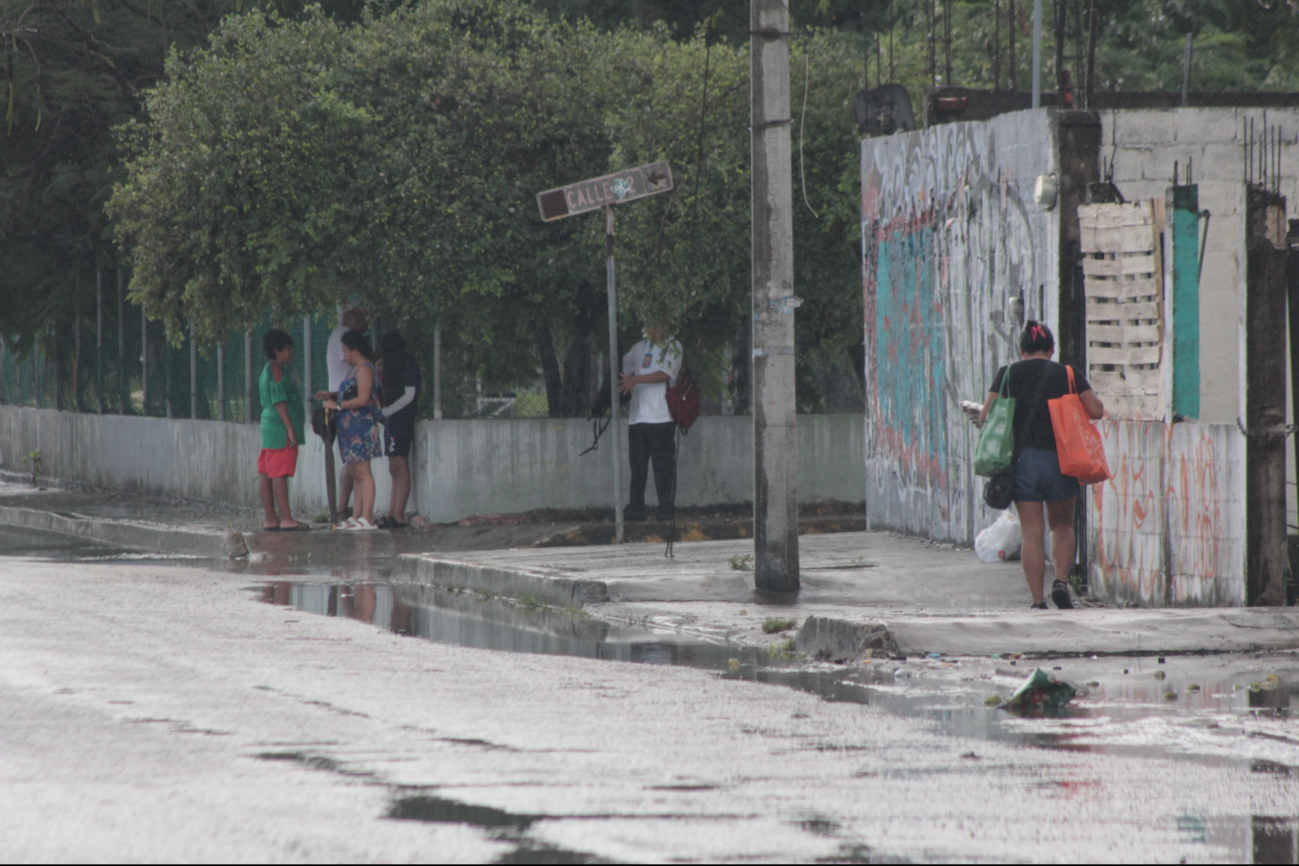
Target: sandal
{"x":385,"y":522}
{"x":297,"y":527}
{"x":360,"y":524}
{"x":346,"y":524}
{"x":275,"y":528}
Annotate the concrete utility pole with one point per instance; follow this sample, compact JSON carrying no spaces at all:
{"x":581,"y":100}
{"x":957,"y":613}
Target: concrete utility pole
{"x":775,"y":431}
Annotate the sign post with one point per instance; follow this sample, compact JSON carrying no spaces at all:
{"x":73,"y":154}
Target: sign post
{"x":596,"y":194}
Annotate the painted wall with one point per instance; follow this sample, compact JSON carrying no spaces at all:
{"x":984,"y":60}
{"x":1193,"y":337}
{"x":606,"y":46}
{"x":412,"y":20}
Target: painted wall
{"x":1169,"y":527}
{"x":1143,"y":146}
{"x":460,"y":467}
{"x":950,"y":233}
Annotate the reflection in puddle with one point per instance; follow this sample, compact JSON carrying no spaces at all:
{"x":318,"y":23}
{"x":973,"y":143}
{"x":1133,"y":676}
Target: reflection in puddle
{"x":1123,"y":714}
{"x":1273,"y":840}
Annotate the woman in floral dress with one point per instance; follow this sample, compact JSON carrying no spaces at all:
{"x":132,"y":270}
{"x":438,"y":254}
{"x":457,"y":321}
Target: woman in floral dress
{"x":359,"y":440}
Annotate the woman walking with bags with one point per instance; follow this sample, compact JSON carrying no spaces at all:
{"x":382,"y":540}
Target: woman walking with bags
{"x":1040,"y":486}
{"x":359,"y":441}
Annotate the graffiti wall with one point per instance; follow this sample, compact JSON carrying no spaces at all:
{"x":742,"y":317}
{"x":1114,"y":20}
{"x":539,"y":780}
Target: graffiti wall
{"x":1169,"y":527}
{"x":951,"y":235}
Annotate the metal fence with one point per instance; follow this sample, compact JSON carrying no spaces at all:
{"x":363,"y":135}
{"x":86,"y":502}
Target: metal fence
{"x":118,"y":362}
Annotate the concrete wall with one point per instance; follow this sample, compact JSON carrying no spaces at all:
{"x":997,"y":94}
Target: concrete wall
{"x":1143,"y":146}
{"x":950,"y":233}
{"x":460,"y":467}
{"x":1169,"y":527}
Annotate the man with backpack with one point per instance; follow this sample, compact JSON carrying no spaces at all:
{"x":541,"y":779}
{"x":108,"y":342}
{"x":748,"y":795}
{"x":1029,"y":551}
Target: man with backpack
{"x":648,"y":370}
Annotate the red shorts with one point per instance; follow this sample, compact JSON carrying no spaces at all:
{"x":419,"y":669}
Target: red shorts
{"x":278,"y":462}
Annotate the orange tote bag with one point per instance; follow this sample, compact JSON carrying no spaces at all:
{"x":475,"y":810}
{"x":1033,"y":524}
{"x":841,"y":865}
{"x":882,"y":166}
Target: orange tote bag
{"x":1077,"y":441}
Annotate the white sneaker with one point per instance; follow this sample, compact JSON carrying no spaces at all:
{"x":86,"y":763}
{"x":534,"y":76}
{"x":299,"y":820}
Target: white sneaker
{"x":360,"y":524}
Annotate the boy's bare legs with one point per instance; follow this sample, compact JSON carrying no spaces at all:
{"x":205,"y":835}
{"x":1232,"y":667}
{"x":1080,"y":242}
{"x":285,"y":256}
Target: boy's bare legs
{"x":1032,"y":554}
{"x":399,"y":469}
{"x":280,"y":487}
{"x":264,"y":487}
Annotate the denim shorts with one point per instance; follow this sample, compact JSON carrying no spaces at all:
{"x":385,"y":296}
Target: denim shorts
{"x":1038,"y":478}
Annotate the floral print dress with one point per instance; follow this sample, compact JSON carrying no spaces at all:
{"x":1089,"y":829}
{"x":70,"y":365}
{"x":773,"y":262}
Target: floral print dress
{"x":358,"y":429}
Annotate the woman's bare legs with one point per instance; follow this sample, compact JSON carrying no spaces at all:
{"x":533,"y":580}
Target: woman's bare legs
{"x":399,"y":469}
{"x":363,"y":506}
{"x":1059,"y":515}
{"x":1032,"y":555}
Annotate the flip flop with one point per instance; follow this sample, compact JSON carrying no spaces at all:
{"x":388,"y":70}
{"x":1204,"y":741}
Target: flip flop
{"x":270,"y":529}
{"x":301,"y":527}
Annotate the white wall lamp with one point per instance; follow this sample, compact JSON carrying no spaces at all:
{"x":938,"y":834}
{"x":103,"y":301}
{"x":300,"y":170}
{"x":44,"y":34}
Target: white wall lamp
{"x":1044,"y":191}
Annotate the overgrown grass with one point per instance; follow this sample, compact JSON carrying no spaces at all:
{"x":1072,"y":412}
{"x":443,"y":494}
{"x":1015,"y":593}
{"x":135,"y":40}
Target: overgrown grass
{"x":741,"y":563}
{"x":774,"y":625}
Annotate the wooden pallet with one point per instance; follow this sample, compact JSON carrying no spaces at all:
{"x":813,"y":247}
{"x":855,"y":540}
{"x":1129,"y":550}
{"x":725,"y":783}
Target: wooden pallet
{"x":1124,"y":287}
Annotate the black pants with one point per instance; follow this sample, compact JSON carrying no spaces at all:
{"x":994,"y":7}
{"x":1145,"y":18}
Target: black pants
{"x":652,"y":441}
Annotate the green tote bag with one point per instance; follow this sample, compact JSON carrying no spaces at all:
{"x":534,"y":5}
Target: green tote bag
{"x":995,"y":451}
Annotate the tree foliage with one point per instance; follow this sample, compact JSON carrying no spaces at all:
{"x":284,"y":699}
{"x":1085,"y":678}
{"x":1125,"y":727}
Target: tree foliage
{"x":285,"y":157}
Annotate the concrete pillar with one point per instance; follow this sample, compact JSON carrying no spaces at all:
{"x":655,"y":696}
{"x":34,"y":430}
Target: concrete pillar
{"x":1265,"y":376}
{"x":775,"y":433}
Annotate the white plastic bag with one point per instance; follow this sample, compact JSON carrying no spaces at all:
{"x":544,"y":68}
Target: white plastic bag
{"x":1001,"y":540}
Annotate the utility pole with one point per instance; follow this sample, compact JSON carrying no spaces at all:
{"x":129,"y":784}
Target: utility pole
{"x":775,"y":431}
{"x":615,"y":359}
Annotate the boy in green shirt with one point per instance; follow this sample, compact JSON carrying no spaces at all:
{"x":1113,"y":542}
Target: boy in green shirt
{"x":283,"y":414}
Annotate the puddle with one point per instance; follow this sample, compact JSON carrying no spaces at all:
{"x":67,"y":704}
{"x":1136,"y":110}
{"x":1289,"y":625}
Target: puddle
{"x":1210,"y":708}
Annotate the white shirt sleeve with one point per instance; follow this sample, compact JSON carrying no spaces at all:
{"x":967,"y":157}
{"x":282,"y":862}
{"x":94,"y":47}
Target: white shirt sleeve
{"x":400,"y":403}
{"x":629,"y":360}
{"x":671,"y":359}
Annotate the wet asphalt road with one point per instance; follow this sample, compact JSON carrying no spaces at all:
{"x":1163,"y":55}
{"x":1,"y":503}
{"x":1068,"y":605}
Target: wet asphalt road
{"x":156,"y":710}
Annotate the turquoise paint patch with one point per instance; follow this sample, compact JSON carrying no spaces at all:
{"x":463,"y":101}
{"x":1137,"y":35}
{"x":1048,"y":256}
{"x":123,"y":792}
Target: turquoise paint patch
{"x":1186,"y":300}
{"x":909,"y":349}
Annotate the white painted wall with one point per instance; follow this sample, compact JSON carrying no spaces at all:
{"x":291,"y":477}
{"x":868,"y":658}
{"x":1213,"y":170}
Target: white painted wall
{"x":460,"y":467}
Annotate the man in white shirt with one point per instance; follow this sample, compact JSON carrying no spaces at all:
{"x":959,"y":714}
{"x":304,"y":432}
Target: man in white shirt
{"x":648,"y":370}
{"x":353,"y":319}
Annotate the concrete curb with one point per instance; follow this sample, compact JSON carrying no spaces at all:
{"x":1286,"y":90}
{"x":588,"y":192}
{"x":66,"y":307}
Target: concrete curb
{"x":1066,"y":633}
{"x":550,"y":586}
{"x":839,"y":640}
{"x":656,"y":532}
{"x":147,"y":536}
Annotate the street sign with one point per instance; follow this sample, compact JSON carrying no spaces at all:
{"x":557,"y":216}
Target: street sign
{"x":589,"y":195}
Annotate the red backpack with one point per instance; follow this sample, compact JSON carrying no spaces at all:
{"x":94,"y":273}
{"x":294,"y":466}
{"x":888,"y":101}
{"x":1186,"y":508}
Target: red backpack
{"x":683,"y":400}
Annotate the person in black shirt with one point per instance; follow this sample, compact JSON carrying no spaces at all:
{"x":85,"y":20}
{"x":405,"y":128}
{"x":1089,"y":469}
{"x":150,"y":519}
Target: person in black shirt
{"x":401,"y":383}
{"x":1038,"y":480}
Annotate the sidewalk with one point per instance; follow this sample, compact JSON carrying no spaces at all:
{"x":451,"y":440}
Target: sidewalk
{"x":861,"y":591}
